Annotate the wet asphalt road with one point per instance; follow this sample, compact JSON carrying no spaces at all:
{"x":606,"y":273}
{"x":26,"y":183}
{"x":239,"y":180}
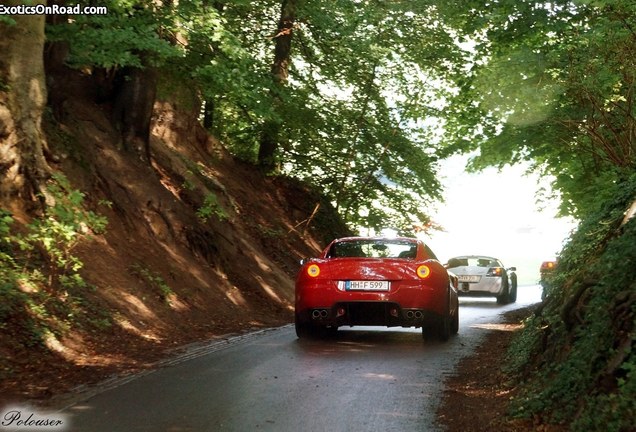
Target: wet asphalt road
{"x":364,"y":379}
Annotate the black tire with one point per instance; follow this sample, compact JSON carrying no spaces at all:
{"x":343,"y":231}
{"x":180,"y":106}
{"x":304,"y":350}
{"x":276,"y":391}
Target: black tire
{"x":304,"y":329}
{"x":513,"y":289}
{"x":504,"y":298}
{"x":455,"y":322}
{"x":444,"y":328}
{"x":440,"y":328}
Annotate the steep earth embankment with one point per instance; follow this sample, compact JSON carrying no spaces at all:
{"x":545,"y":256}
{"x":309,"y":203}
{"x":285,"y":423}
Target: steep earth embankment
{"x":198,"y":245}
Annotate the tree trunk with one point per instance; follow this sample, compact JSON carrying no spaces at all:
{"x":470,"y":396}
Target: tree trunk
{"x":270,"y":137}
{"x":23,"y":167}
{"x":133,"y":108}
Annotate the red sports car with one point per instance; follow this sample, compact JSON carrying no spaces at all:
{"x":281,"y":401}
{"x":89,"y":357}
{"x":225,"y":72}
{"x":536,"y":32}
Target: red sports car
{"x":376,"y":281}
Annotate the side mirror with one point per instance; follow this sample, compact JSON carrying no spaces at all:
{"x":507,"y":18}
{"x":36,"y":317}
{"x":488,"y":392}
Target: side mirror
{"x":512,"y":268}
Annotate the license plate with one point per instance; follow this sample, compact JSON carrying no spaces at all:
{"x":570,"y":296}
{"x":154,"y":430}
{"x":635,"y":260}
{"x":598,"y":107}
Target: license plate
{"x":469,"y":278}
{"x":367,"y":285}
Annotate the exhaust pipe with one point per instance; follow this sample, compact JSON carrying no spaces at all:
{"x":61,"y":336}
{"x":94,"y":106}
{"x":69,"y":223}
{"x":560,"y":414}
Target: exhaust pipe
{"x":319,"y":313}
{"x":419,"y":314}
{"x":409,"y":314}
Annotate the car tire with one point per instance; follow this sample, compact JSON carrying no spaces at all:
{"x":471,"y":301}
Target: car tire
{"x":444,"y":328}
{"x":440,"y":327}
{"x":304,"y":329}
{"x":513,"y":290}
{"x":505,"y":296}
{"x":455,"y":322}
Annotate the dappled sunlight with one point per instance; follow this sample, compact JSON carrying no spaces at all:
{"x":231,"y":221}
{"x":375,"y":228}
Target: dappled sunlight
{"x":261,"y":263}
{"x":195,"y":272}
{"x":74,"y":351}
{"x":313,"y":347}
{"x":139,"y":305}
{"x":176,"y":304}
{"x":235,"y":296}
{"x":384,"y":377}
{"x":125,"y":324}
{"x":26,"y":286}
{"x":499,"y":327}
{"x":268,"y":289}
{"x":166,"y":181}
{"x":55,"y":345}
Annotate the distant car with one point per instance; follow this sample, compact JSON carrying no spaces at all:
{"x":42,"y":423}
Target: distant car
{"x":546,"y":270}
{"x":376,"y":281}
{"x":483,"y":276}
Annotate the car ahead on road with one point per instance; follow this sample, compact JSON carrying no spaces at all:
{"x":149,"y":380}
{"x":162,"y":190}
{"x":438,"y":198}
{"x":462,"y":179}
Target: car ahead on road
{"x":376,"y":281}
{"x":483,"y":276}
{"x":546,"y":270}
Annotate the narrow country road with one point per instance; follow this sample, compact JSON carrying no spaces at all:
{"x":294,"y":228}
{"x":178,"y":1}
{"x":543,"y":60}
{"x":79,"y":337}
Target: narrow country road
{"x":364,"y":379}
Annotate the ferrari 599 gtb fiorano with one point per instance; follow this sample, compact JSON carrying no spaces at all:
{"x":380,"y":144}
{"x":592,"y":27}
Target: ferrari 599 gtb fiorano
{"x":376,"y":281}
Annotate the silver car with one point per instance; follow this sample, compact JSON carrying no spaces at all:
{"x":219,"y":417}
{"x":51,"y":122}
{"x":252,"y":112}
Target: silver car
{"x":483,"y":276}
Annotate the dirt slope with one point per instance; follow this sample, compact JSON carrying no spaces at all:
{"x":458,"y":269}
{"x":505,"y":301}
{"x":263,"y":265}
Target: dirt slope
{"x":160,"y":275}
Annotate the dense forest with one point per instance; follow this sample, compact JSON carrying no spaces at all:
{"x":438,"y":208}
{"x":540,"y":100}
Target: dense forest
{"x":354,"y":103}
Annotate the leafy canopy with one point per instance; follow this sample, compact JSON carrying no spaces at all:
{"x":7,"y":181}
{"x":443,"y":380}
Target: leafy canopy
{"x":553,"y":84}
{"x":363,"y":77}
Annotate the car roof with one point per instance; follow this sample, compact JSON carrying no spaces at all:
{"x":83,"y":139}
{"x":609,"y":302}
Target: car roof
{"x":378,"y":238}
{"x":476,"y":256}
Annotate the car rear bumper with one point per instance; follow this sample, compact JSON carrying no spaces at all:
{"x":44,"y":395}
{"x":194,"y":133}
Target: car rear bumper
{"x":408,"y":304}
{"x":369,"y":313}
{"x":487,"y":287}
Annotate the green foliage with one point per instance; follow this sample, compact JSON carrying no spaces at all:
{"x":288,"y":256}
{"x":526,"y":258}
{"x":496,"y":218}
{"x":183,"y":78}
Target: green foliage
{"x":550,"y":83}
{"x":40,"y":275}
{"x":362,"y":78}
{"x":154,"y":281}
{"x":378,"y":92}
{"x":211,"y":207}
{"x":130,"y":30}
{"x":6,"y":20}
{"x":63,"y":225}
{"x":582,"y":342}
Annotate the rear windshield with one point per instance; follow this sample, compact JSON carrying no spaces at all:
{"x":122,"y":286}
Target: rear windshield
{"x":373,"y":249}
{"x":473,"y":262}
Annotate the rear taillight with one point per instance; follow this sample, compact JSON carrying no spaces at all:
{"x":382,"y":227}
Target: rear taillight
{"x":423,"y":271}
{"x":313,"y":270}
{"x":495,"y":271}
{"x":548,"y":265}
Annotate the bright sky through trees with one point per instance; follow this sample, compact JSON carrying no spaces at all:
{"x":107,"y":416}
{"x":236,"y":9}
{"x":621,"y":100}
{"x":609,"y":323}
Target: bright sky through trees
{"x":496,"y":213}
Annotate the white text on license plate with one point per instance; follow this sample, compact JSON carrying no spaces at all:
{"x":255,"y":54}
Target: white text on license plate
{"x":468,"y":278}
{"x":367,"y":285}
